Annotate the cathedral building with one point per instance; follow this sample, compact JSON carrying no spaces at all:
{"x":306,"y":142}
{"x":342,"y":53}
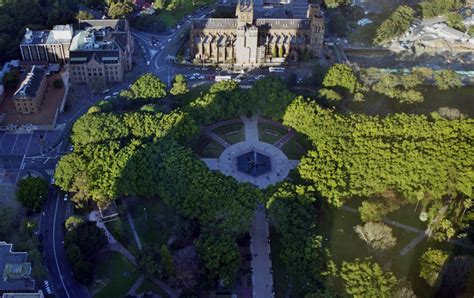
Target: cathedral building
{"x":259,"y":35}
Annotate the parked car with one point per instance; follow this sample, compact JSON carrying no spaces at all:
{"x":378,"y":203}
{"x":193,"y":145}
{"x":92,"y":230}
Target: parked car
{"x":66,"y":197}
{"x":106,"y":91}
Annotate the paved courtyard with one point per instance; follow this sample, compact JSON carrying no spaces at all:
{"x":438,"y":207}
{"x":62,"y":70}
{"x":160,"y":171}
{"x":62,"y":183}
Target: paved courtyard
{"x":227,"y":161}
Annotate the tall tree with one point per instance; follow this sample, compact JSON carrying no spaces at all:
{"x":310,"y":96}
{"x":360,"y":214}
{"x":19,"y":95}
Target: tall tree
{"x":367,"y":279}
{"x":32,"y":192}
{"x":179,"y":85}
{"x":431,"y":263}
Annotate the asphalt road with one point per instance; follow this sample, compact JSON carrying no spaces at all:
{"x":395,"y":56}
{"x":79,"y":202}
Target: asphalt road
{"x":62,"y":279}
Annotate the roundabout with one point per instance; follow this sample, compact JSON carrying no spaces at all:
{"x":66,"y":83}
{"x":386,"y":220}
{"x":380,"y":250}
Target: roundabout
{"x":261,"y":164}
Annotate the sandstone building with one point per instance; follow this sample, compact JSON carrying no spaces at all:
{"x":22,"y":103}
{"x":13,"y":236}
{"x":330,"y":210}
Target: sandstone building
{"x":29,"y":95}
{"x":259,"y":34}
{"x":101,"y":52}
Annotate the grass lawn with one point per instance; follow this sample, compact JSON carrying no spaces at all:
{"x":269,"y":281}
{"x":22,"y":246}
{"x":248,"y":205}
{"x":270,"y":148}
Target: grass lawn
{"x":344,"y":244}
{"x":294,"y":148}
{"x":121,"y":231}
{"x":280,"y":280}
{"x":212,"y":150}
{"x":376,"y":104}
{"x":155,"y":227}
{"x":270,"y":133}
{"x":232,"y":133}
{"x":184,"y":99}
{"x":149,"y":286}
{"x":114,"y":275}
{"x":171,"y":18}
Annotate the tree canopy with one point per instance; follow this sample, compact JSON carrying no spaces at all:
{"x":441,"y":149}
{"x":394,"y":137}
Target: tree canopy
{"x":32,"y":192}
{"x":358,"y":155}
{"x":367,"y":279}
{"x":179,"y":85}
{"x":146,"y":87}
{"x":398,"y":22}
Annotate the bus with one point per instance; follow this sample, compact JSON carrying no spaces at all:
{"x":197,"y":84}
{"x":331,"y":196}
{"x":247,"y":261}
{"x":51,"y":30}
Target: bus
{"x":276,"y":69}
{"x":222,"y":78}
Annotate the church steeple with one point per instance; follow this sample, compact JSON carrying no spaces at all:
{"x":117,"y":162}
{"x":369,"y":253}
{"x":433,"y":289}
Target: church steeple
{"x":244,"y":12}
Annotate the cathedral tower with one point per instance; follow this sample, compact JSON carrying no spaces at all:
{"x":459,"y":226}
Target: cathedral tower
{"x":244,"y":12}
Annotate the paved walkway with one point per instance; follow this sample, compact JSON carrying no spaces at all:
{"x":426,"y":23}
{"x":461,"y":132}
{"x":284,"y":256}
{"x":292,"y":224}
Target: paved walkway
{"x":217,"y":138}
{"x":284,"y":139}
{"x":120,"y":249}
{"x":132,"y":226}
{"x":95,"y":216}
{"x":135,"y":286}
{"x":422,"y":234}
{"x":262,"y":273}
{"x":251,"y":128}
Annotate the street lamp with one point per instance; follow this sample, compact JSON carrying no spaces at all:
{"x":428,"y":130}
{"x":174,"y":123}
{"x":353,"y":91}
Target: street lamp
{"x":144,"y":209}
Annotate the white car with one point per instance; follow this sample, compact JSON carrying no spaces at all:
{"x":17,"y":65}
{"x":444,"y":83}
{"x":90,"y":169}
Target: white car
{"x":106,"y":91}
{"x":201,"y":77}
{"x":71,"y":148}
{"x":115,"y":93}
{"x":162,"y":47}
{"x":66,"y":196}
{"x":107,"y":97}
{"x":169,"y":39}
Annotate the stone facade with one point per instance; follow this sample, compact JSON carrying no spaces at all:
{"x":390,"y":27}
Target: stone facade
{"x":101,"y":52}
{"x":28,"y":97}
{"x":252,"y":40}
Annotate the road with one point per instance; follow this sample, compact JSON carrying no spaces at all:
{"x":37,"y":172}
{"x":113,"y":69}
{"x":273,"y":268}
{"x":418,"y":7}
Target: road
{"x":52,"y":220}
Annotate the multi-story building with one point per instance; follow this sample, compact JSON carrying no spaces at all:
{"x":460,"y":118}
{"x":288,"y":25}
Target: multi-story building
{"x":261,"y":33}
{"x":101,"y":51}
{"x":29,"y":95}
{"x":15,"y":270}
{"x":47,"y":46}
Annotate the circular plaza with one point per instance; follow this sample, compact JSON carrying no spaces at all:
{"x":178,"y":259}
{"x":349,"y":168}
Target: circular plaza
{"x":247,"y":155}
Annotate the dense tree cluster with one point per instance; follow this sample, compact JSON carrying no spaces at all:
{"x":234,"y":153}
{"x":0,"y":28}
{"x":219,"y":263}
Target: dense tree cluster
{"x":342,"y":80}
{"x":398,"y":22}
{"x":120,"y":9}
{"x":434,"y":8}
{"x":179,"y":85}
{"x":82,"y":243}
{"x":294,"y":215}
{"x":431,"y":264}
{"x":358,"y":155}
{"x":146,"y":87}
{"x":32,"y":192}
{"x":364,"y":278}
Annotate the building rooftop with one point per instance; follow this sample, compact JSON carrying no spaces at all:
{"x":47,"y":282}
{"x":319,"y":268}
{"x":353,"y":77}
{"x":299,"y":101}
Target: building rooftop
{"x":59,"y":34}
{"x":15,"y":270}
{"x":38,"y":294}
{"x":114,"y":24}
{"x":31,"y":83}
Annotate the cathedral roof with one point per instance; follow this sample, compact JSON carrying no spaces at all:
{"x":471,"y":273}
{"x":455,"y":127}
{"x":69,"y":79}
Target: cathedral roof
{"x":217,"y":23}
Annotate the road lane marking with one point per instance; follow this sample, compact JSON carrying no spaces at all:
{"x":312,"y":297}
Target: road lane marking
{"x":54,"y":246}
{"x":14,"y":144}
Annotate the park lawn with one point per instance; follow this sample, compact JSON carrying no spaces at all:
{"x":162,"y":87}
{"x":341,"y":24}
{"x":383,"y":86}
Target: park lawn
{"x":171,"y":18}
{"x":337,"y":227}
{"x":294,"y":149}
{"x":154,"y":228}
{"x":232,"y":133}
{"x":212,"y":150}
{"x":280,"y":280}
{"x":376,"y":104}
{"x":184,"y":99}
{"x":149,"y":286}
{"x":116,"y":273}
{"x":115,"y":227}
{"x":270,"y":133}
